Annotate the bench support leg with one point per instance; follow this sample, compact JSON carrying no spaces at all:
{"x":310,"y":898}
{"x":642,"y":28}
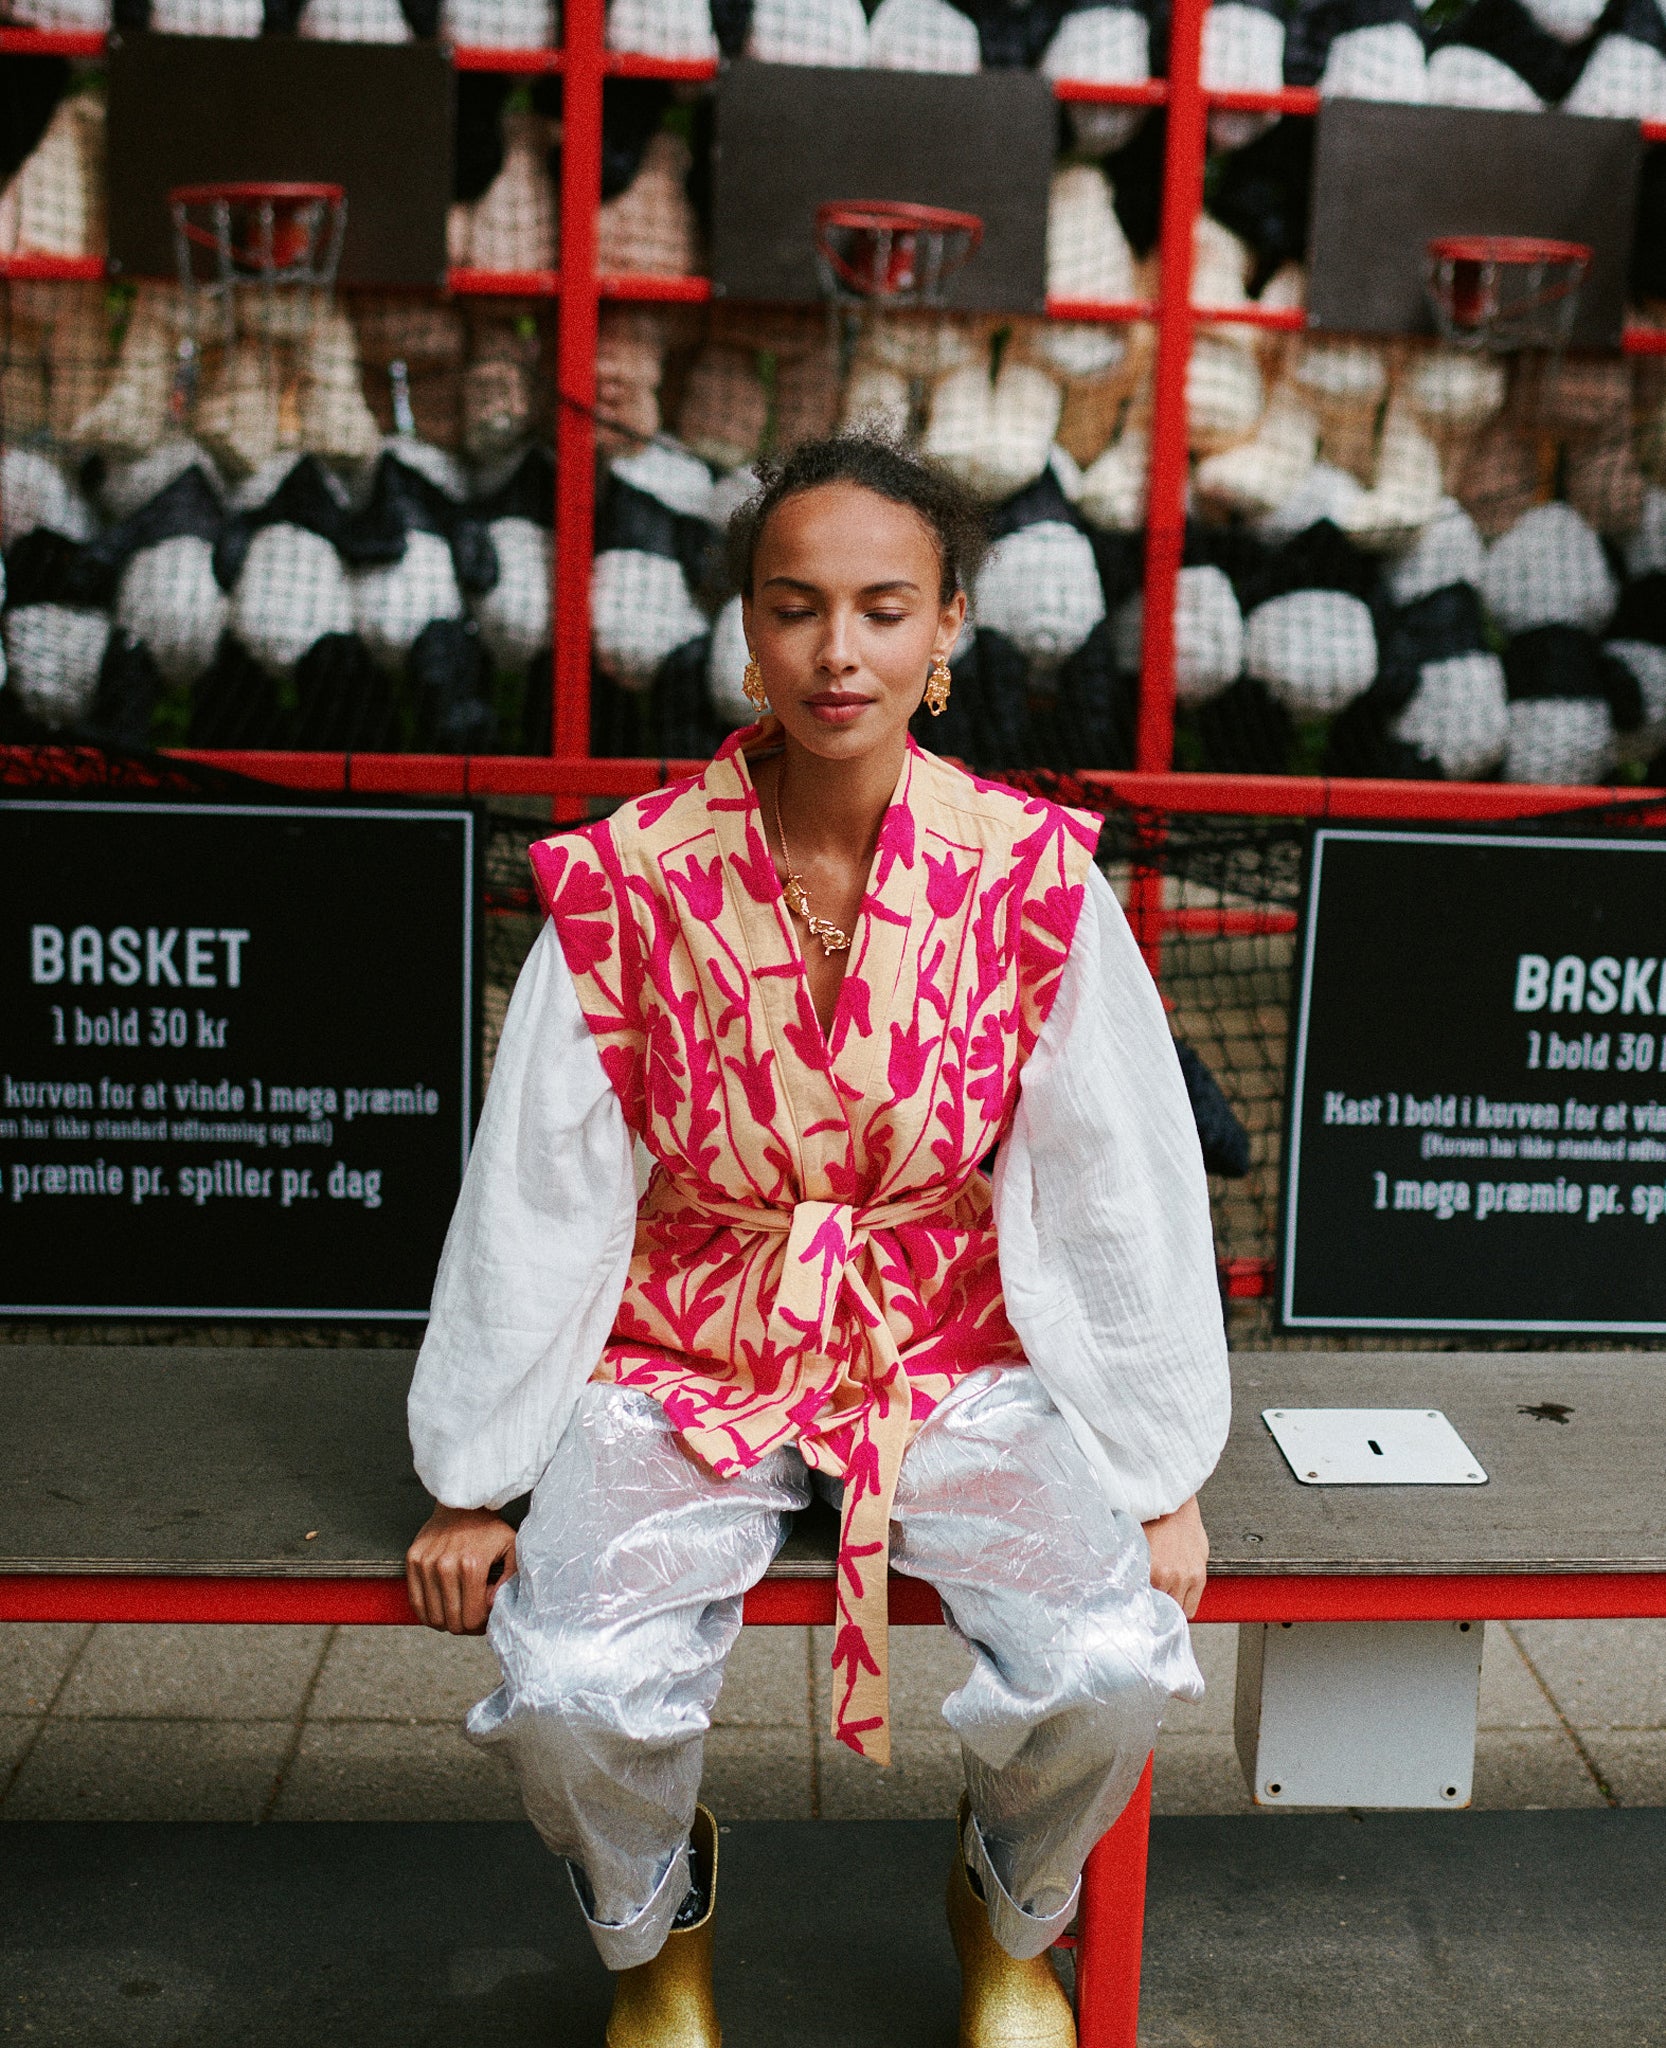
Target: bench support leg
{"x":1111,"y":1929}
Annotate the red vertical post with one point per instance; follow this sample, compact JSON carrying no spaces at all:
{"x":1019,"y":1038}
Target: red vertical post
{"x":1165,"y":515}
{"x":1145,"y":916}
{"x":1110,"y":1929}
{"x":575,"y":433}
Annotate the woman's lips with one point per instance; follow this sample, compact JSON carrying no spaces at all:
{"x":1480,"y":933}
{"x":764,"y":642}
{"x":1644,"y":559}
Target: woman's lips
{"x":835,"y":707}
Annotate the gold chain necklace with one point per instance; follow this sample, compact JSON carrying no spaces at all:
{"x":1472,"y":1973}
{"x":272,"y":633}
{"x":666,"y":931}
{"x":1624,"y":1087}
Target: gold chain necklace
{"x":833,"y":940}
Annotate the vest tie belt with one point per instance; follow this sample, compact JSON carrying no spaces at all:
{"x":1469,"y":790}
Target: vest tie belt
{"x":819,"y":1272}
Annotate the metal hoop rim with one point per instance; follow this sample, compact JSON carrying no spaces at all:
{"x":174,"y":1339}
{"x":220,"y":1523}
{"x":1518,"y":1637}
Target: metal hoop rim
{"x":1507,"y":249}
{"x":899,"y":215}
{"x":244,"y":191}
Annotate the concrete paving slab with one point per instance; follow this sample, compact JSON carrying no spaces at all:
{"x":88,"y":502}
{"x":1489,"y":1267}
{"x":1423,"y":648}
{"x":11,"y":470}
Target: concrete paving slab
{"x":1511,"y":1697}
{"x":1633,"y":1766}
{"x":242,"y":1673}
{"x":34,"y":1655}
{"x":766,"y":1682}
{"x":1604,"y":1674}
{"x":17,"y":1731}
{"x":923,"y":1781}
{"x":402,"y":1674}
{"x":1389,"y":1932}
{"x":1197,"y":1771}
{"x":1532,"y":1768}
{"x":145,"y":1770}
{"x":394,"y":1771}
{"x":759,"y":1773}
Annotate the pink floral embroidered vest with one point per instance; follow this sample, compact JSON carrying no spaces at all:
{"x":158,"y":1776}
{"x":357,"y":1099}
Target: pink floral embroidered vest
{"x":815,"y":1255}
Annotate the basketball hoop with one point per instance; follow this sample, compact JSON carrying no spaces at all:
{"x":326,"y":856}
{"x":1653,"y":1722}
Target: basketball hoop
{"x":1505,"y":292}
{"x":256,"y":261}
{"x":889,"y":252}
{"x":257,"y":234}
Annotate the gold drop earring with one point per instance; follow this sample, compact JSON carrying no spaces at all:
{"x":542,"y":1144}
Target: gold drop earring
{"x":752,"y":682}
{"x":937,"y":687}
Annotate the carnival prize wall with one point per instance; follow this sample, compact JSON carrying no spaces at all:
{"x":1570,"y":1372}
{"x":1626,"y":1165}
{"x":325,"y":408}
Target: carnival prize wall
{"x":1477,"y":1134}
{"x":1371,"y":553}
{"x":237,"y":1056}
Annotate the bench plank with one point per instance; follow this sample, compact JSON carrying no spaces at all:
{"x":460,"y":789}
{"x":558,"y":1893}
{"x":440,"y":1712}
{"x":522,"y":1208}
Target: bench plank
{"x":1576,"y":1496}
{"x":198,"y":1460}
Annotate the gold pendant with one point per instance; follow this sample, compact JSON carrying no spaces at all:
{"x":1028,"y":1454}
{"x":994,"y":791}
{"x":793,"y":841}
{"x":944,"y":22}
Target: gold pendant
{"x":832,"y":939}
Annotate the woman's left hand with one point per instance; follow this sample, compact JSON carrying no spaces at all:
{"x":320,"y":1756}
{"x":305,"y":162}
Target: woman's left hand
{"x":1180,"y":1555}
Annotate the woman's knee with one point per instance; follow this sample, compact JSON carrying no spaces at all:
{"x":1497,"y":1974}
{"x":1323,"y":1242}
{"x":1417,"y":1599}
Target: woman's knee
{"x":646,"y":1682}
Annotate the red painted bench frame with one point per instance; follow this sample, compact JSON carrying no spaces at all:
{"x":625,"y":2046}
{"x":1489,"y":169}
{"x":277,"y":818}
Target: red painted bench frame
{"x":1111,"y":1926}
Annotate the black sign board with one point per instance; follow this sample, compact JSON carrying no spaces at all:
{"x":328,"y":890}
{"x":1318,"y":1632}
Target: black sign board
{"x":791,"y":136}
{"x":237,"y":1071}
{"x":1477,"y":1119}
{"x":374,"y":118}
{"x":1387,"y":179}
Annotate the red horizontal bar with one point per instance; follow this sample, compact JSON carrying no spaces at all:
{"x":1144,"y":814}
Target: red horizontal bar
{"x":1285,"y":796}
{"x":1107,"y":310}
{"x":482,"y":57}
{"x":1228,"y":924}
{"x":410,"y":774}
{"x":630,"y":64}
{"x":163,"y":1597}
{"x":1283,"y":319}
{"x":628,"y":285}
{"x":1247,"y":1279}
{"x":1289,"y":99}
{"x":1314,"y":796}
{"x":504,"y":284}
{"x":448,"y":774}
{"x":1150,"y":92}
{"x":1644,"y":341}
{"x":289,"y":770}
{"x":1308,"y":1596}
{"x":51,"y":42}
{"x":1434,"y":1596}
{"x":808,"y":1603}
{"x":1654,"y":131}
{"x":61,"y":269}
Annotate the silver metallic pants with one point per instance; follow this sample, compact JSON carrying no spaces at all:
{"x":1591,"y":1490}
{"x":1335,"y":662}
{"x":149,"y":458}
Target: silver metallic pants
{"x":632,"y":1563}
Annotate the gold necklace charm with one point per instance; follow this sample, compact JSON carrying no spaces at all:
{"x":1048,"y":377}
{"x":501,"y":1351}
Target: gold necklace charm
{"x":833,"y":940}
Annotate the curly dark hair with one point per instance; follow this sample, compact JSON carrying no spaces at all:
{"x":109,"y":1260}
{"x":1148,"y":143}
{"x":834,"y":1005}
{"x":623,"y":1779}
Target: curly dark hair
{"x":874,"y":463}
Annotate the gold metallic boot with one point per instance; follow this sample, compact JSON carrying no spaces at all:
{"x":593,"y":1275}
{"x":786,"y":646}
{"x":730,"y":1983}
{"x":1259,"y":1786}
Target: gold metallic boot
{"x":1003,"y":2003}
{"x":668,"y":2003}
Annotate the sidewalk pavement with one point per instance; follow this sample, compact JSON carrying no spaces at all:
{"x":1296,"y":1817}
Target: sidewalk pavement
{"x":129,"y":1722}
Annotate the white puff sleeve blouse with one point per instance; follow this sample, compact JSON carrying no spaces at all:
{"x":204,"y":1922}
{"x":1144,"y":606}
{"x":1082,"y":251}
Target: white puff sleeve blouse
{"x":1101,"y":1214}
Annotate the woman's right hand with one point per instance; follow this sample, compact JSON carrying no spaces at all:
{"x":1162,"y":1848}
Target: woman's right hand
{"x":448,"y":1568}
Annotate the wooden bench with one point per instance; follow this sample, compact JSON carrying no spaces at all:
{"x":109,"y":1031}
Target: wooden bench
{"x":274,"y":1485}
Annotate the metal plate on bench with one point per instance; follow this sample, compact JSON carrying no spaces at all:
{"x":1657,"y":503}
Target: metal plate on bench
{"x":1373,"y":1447}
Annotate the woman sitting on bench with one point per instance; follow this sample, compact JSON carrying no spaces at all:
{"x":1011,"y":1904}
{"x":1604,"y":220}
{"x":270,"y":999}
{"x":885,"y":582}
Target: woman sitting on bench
{"x":818,"y":985}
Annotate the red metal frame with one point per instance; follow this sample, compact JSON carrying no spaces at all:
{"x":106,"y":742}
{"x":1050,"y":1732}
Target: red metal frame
{"x":575,"y":434}
{"x":581,"y":775}
{"x":1165,"y":510}
{"x":1110,"y":1927}
{"x":808,"y":1603}
{"x":584,"y":62}
{"x":1111,"y":1917}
